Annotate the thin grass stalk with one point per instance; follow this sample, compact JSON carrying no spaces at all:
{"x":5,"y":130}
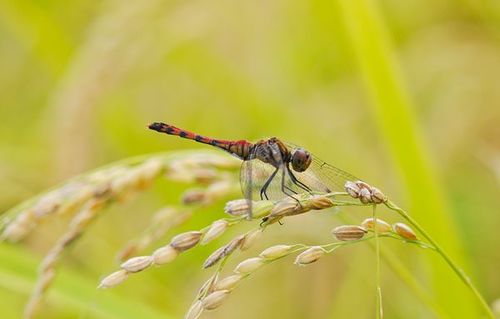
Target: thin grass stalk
{"x":395,"y":264}
{"x":460,"y":273}
{"x":211,"y":285}
{"x":393,"y":108}
{"x":411,"y":281}
{"x":48,"y":266}
{"x":379,"y":311}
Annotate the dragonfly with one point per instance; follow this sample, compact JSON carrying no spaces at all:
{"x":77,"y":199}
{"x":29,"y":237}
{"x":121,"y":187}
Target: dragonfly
{"x":271,"y":167}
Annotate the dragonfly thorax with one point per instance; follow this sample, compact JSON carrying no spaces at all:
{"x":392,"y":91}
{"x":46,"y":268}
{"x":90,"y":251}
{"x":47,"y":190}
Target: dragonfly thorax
{"x":276,"y":153}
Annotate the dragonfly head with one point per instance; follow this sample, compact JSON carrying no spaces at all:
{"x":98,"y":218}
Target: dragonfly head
{"x":301,"y":159}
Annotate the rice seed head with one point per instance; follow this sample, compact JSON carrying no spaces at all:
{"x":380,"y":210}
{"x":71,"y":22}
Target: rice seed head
{"x":178,"y":173}
{"x":365,"y":196}
{"x":238,"y":207}
{"x":165,"y":214}
{"x":48,"y":204}
{"x":382,"y":226}
{"x":113,"y":279}
{"x":217,"y":228}
{"x":223,"y":162}
{"x":241,"y":207}
{"x":215,"y":299}
{"x":204,"y":175}
{"x":164,"y":255}
{"x":276,"y":251}
{"x":186,"y":240}
{"x":320,"y":202}
{"x":404,"y":231}
{"x":151,"y":169}
{"x":219,"y":189}
{"x":26,"y":217}
{"x":261,"y":208}
{"x":195,"y":310}
{"x":249,"y":265}
{"x":193,"y":196}
{"x":377,"y":196}
{"x":77,"y":199}
{"x":214,"y":257}
{"x":309,"y":256}
{"x":352,"y":189}
{"x":250,"y":238}
{"x":233,"y":245}
{"x":361,"y":185}
{"x":223,"y":251}
{"x":121,"y":186}
{"x":228,"y":283}
{"x":14,"y":231}
{"x":137,"y":264}
{"x":285,"y":207}
{"x":349,"y":232}
{"x":142,"y":175}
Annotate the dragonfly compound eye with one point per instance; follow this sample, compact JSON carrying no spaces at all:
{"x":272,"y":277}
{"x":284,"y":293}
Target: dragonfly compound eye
{"x":301,"y":159}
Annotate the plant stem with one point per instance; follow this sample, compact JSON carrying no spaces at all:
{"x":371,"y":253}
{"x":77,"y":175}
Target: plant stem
{"x":460,"y":273}
{"x":379,"y":312}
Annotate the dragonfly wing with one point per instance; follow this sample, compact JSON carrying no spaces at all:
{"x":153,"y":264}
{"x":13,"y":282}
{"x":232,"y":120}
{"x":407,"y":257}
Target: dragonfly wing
{"x":260,"y":180}
{"x":321,"y":176}
{"x":318,"y":177}
{"x":253,"y":175}
{"x":332,"y":177}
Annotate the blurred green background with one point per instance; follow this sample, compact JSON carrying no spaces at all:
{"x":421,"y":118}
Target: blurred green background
{"x":404,"y":94}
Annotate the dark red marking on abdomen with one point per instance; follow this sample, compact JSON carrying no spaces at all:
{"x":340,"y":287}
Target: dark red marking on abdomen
{"x":239,"y":148}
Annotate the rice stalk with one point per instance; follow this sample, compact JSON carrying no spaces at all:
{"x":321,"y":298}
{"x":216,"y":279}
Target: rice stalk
{"x":87,"y":195}
{"x":216,"y":290}
{"x":116,"y":183}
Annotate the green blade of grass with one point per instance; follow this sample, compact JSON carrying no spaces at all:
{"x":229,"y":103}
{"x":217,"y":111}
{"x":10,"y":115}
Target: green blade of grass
{"x":72,"y":292}
{"x":392,"y":107}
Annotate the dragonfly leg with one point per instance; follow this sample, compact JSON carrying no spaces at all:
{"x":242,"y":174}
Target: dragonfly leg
{"x":266,"y":185}
{"x":291,"y":190}
{"x":297,"y":182}
{"x":285,"y":188}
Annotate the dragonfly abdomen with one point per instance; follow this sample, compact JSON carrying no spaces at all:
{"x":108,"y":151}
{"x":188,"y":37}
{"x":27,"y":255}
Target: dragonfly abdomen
{"x":239,"y":148}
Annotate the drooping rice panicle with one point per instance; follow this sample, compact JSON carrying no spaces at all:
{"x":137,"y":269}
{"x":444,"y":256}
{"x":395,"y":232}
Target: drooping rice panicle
{"x":47,"y":269}
{"x":178,"y":244}
{"x":172,"y":216}
{"x":123,"y":178}
{"x":88,"y":194}
{"x":212,"y":295}
{"x":161,"y":222}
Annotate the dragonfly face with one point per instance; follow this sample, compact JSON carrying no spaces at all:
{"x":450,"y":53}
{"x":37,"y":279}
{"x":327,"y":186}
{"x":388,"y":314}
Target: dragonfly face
{"x":301,"y":159}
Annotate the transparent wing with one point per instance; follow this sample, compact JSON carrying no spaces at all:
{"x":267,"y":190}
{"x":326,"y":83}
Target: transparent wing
{"x":323,"y":177}
{"x":260,"y":180}
{"x":320,"y":177}
{"x":254,"y":174}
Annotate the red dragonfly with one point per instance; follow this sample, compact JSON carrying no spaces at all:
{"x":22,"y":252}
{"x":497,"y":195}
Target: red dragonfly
{"x":272,"y":167}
